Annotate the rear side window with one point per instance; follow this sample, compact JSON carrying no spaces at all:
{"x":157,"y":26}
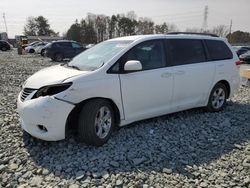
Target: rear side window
{"x":76,"y":45}
{"x":218,"y":50}
{"x":186,"y":51}
{"x":62,"y":44}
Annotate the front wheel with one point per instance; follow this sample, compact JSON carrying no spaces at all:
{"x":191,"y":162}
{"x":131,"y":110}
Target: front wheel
{"x":32,"y":51}
{"x":217,"y":98}
{"x":43,"y":53}
{"x":96,"y":122}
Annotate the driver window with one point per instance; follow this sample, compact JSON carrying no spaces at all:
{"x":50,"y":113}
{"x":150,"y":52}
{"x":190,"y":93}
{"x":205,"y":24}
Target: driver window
{"x":149,"y":53}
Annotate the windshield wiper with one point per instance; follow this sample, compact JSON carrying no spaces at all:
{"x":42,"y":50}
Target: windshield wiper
{"x":72,"y":66}
{"x":101,"y":64}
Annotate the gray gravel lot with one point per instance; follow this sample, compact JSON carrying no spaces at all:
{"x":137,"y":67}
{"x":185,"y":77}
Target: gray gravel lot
{"x":193,"y":148}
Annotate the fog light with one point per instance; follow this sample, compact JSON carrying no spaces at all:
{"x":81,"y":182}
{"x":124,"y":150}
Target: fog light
{"x":42,"y":128}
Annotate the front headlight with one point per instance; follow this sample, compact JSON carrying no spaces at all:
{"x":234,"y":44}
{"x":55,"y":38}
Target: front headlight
{"x":52,"y":89}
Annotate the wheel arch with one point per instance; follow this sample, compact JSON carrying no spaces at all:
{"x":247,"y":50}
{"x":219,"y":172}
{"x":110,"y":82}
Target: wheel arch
{"x":227,"y":85}
{"x":72,"y":119}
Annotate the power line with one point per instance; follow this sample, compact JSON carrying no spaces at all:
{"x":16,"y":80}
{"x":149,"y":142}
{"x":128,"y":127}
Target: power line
{"x":5,"y":23}
{"x":204,"y":25}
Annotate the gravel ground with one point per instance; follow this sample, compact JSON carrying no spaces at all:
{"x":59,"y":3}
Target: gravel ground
{"x":187,"y":149}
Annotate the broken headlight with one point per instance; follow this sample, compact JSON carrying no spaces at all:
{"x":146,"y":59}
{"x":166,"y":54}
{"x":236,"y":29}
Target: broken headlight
{"x":52,"y":89}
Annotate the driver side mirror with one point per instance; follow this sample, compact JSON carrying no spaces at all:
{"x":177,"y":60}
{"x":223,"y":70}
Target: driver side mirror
{"x":132,"y":65}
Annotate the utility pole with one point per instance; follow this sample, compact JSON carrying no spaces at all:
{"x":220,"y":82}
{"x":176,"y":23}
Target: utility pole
{"x":205,"y":17}
{"x":230,"y":30}
{"x":5,"y":23}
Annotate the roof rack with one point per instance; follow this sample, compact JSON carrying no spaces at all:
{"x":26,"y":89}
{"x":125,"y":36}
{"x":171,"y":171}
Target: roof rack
{"x":192,"y":33}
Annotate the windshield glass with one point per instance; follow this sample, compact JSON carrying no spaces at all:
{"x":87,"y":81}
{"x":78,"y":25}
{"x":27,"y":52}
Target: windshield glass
{"x":97,"y":56}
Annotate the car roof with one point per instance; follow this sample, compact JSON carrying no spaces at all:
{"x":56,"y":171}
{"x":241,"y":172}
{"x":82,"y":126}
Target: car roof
{"x":159,"y":36}
{"x":64,"y":41}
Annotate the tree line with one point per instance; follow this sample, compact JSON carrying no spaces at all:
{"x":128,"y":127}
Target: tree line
{"x":98,"y":27}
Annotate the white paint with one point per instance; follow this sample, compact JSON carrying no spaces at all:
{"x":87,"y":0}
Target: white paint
{"x":132,"y":66}
{"x":137,"y":95}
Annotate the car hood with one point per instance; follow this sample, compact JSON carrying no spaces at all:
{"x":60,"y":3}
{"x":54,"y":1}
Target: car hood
{"x":51,"y":75}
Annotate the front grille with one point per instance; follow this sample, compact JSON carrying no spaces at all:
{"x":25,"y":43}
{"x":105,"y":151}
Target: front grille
{"x":26,"y":92}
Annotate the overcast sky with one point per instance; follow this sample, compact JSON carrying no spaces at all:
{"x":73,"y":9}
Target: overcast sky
{"x":184,"y":13}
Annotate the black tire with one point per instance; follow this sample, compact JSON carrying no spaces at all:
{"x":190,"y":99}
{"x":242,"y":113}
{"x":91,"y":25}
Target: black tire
{"x":4,"y":49}
{"x":32,"y":51}
{"x":211,"y":107}
{"x":87,"y":129}
{"x":58,"y":57}
{"x":42,"y":52}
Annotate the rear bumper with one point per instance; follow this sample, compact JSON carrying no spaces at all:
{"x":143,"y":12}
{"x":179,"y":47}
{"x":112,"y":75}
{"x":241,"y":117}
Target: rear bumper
{"x":46,"y":111}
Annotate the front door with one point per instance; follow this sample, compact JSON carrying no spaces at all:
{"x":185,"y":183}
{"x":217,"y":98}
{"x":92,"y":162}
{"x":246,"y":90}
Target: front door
{"x":147,"y":93}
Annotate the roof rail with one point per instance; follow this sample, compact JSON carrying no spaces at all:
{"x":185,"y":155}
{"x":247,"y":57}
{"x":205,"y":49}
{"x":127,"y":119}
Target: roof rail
{"x":192,"y":33}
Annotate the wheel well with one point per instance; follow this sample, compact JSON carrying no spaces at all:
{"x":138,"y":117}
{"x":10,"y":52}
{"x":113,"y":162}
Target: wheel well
{"x":72,"y":119}
{"x":227,"y":85}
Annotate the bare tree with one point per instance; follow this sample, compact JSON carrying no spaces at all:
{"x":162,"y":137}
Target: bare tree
{"x":220,"y":30}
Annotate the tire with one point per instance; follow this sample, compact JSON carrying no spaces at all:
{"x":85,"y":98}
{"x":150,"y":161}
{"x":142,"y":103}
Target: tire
{"x":217,"y":98}
{"x":4,"y":49}
{"x":32,"y":51}
{"x":91,"y":124}
{"x":42,"y":52}
{"x":58,"y":57}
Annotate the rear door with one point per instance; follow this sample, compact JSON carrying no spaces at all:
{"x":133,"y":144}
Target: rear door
{"x":67,"y":49}
{"x":147,"y":93}
{"x":193,"y":74}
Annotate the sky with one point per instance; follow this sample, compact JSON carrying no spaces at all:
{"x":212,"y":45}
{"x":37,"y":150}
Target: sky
{"x":183,"y":13}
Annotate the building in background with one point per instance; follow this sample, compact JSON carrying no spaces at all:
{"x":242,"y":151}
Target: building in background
{"x":43,"y":38}
{"x":3,"y":36}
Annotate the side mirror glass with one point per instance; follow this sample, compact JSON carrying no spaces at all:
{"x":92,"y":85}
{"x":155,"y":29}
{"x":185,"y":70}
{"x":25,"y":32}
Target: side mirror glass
{"x":132,"y":65}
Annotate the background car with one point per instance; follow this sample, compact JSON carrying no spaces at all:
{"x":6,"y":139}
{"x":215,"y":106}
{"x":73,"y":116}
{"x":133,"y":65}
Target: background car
{"x":245,"y":57}
{"x":4,"y":45}
{"x":241,"y":49}
{"x":60,"y":50}
{"x":32,"y":48}
{"x":41,"y":47}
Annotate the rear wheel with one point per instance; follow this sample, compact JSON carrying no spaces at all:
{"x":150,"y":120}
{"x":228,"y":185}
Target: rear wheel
{"x":96,"y":122}
{"x":58,"y":57}
{"x":217,"y":98}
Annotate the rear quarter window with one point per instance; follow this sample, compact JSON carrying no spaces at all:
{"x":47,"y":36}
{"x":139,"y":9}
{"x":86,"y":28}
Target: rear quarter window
{"x":218,"y":50}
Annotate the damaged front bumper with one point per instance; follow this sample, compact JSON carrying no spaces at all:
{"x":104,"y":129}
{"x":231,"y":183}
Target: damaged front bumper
{"x":44,"y":117}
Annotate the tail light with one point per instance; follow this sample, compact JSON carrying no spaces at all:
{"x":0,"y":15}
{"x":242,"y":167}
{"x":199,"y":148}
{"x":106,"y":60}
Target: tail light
{"x":238,"y":63}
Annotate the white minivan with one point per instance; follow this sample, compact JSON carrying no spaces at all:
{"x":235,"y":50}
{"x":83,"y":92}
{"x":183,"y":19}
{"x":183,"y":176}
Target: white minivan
{"x":128,"y":79}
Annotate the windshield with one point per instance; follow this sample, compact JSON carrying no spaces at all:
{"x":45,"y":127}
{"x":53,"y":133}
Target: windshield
{"x":97,"y":56}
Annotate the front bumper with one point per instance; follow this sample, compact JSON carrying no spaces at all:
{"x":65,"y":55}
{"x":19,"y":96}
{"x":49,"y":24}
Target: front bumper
{"x":46,"y":111}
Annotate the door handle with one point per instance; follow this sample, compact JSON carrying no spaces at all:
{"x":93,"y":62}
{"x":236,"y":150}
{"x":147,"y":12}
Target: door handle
{"x":180,"y":72}
{"x":166,"y":75}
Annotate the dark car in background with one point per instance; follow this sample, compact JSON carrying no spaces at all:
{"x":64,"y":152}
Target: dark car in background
{"x":245,"y":58}
{"x":241,"y":49}
{"x":4,"y":45}
{"x":64,"y":49}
